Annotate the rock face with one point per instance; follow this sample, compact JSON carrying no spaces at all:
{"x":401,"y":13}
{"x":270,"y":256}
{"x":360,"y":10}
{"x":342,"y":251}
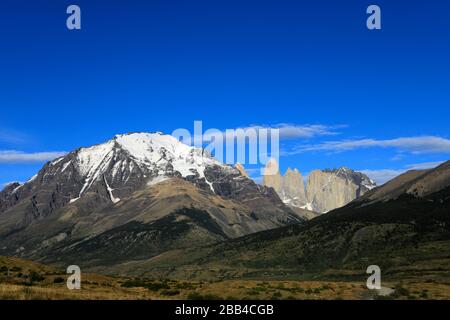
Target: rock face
{"x":115,"y":190}
{"x":8,"y":196}
{"x":290,"y":187}
{"x":272,"y":177}
{"x":331,"y":189}
{"x":241,"y":169}
{"x":325,"y":190}
{"x":294,"y":188}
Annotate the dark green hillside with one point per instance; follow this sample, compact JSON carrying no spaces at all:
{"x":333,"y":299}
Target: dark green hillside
{"x":406,"y":236}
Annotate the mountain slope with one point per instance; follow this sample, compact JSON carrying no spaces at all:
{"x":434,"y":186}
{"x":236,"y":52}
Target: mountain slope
{"x":132,"y":197}
{"x":414,"y":182}
{"x":406,"y":235}
{"x":115,"y":169}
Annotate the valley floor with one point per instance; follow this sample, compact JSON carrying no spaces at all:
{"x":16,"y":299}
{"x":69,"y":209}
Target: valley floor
{"x":96,"y":287}
{"x":27,"y":280}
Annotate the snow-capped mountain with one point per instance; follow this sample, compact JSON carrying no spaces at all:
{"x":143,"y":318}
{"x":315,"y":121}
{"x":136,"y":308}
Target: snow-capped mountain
{"x":124,"y":164}
{"x":150,"y":179}
{"x":147,"y":157}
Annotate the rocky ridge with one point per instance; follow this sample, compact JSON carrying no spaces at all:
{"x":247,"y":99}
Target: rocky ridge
{"x":325,"y":190}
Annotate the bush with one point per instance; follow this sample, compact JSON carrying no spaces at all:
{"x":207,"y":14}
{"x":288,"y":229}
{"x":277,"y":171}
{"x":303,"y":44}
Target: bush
{"x":133,"y":283}
{"x":36,"y":277}
{"x":253,"y":292}
{"x":58,"y":280}
{"x":156,"y":286}
{"x":194,"y":296}
{"x":400,"y":291}
{"x":280,"y":286}
{"x":276,"y":296}
{"x":170,"y":292}
{"x":185,"y":285}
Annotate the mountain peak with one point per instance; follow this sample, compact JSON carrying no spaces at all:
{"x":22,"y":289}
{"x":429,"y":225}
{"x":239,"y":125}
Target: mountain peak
{"x":272,"y":168}
{"x":126,"y":163}
{"x":241,"y":169}
{"x":138,"y":133}
{"x":141,"y":178}
{"x":325,"y":190}
{"x":294,"y":173}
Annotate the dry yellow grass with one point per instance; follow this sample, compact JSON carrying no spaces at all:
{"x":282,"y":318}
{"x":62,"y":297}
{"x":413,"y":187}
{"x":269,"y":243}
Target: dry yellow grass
{"x":18,"y":292}
{"x":16,"y":284}
{"x":232,"y":289}
{"x":299,"y":290}
{"x":222,"y":290}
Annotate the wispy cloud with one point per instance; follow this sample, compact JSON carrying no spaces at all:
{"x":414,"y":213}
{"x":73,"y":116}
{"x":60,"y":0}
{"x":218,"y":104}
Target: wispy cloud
{"x":416,"y":145}
{"x":286,"y":130}
{"x":13,"y":156}
{"x":12,"y":137}
{"x":303,"y":131}
{"x":424,"y":165}
{"x":381,"y":176}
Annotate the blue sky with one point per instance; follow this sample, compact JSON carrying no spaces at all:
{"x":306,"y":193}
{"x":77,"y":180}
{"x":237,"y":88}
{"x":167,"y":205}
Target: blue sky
{"x":369,"y":100}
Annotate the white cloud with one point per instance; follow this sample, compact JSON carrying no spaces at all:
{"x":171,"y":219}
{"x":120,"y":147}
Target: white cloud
{"x":398,"y":157}
{"x":13,"y":156}
{"x":382,"y":176}
{"x":288,"y":131}
{"x":303,"y":131}
{"x":424,"y":165}
{"x":417,"y":145}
